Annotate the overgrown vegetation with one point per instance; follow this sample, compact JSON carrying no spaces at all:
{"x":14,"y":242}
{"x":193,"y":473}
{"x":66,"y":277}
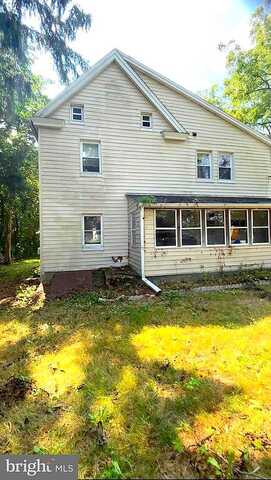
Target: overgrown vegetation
{"x":55,"y":25}
{"x":174,"y":388}
{"x":246,"y":93}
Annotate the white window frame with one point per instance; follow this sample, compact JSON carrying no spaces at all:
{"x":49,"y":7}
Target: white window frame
{"x":230,"y":227}
{"x":231,"y":167}
{"x":88,"y":246}
{"x":191,"y":228}
{"x":166,"y":228}
{"x":267,"y":226}
{"x":133,"y":230}
{"x":91,"y":142}
{"x":146,"y":114}
{"x":211,"y":166}
{"x":206,"y":228}
{"x":73,"y":120}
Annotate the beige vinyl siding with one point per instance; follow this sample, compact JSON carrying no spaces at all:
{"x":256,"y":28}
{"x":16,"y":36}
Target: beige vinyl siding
{"x":134,"y":160}
{"x":185,"y":260}
{"x":134,"y":251}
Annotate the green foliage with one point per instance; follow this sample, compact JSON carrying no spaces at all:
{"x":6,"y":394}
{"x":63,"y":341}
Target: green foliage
{"x":56,"y":24}
{"x":147,"y":199}
{"x":113,"y":471}
{"x":247,"y":89}
{"x":19,"y":207}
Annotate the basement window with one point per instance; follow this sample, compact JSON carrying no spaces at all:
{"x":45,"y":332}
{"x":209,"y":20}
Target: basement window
{"x":166,"y":228}
{"x":146,"y":120}
{"x":92,"y":231}
{"x":77,"y":113}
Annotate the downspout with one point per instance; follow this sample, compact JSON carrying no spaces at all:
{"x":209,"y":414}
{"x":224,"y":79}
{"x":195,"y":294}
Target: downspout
{"x":142,"y":250}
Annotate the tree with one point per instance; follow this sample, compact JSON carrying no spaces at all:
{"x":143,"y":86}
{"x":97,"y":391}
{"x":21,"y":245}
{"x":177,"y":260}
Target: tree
{"x":246,"y":93}
{"x":14,"y":150}
{"x":19,"y":173}
{"x":56,"y":23}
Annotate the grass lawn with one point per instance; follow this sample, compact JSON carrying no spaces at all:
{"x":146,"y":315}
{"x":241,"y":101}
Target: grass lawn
{"x":171,"y":388}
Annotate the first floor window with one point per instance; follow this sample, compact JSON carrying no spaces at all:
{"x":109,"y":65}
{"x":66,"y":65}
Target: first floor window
{"x":215,"y":227}
{"x":92,"y":230}
{"x":204,"y":165}
{"x":90,"y":157}
{"x":238,"y":227}
{"x":166,"y":229}
{"x":225,"y":163}
{"x":260,"y":226}
{"x":77,"y":113}
{"x":190,"y":227}
{"x":133,"y":228}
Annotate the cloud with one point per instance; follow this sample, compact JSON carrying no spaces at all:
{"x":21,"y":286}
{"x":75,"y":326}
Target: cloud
{"x":179,"y":38}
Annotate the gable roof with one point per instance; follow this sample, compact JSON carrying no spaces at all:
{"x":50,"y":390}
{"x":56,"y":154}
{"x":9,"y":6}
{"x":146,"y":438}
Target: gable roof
{"x":128,"y":65}
{"x":87,"y":77}
{"x":195,"y":98}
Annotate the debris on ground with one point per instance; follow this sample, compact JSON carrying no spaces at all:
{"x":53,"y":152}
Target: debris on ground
{"x":14,"y":390}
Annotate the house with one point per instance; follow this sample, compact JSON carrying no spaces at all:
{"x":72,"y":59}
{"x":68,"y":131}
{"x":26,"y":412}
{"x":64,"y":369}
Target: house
{"x":134,"y":169}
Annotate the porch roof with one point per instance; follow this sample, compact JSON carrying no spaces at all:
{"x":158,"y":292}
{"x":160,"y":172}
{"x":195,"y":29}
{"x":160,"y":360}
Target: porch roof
{"x":172,"y":199}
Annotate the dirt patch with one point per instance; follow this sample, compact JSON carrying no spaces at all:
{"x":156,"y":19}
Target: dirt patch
{"x":14,"y":390}
{"x":66,"y":283}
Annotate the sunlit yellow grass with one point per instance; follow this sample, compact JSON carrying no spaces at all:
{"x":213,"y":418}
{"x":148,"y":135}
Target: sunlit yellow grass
{"x":64,"y":367}
{"x":160,"y":376}
{"x":11,"y":333}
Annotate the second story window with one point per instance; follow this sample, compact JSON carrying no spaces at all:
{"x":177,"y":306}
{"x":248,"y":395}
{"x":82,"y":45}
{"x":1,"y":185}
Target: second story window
{"x":204,"y":166}
{"x":77,"y":113}
{"x":146,"y":120}
{"x":91,"y":158}
{"x":225,"y":166}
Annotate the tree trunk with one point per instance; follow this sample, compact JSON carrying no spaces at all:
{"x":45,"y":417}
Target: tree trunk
{"x":7,"y":234}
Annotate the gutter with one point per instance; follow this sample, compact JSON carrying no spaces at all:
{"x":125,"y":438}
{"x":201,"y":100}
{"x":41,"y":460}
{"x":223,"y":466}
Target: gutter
{"x":150,"y":284}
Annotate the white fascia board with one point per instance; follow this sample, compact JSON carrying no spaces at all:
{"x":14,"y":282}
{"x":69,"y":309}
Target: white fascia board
{"x":195,"y":98}
{"x":48,"y":122}
{"x":178,"y":136}
{"x":148,"y":93}
{"x":77,"y":85}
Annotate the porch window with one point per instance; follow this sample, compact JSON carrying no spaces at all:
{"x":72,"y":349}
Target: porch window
{"x":204,"y":165}
{"x":166,"y":228}
{"x":225,"y":166}
{"x":133,"y":229}
{"x":191,"y":227}
{"x":215,"y":227}
{"x":260,"y":226}
{"x":92,"y":231}
{"x":238,"y":227}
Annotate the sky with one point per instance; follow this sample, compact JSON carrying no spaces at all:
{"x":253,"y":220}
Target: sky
{"x":178,"y":38}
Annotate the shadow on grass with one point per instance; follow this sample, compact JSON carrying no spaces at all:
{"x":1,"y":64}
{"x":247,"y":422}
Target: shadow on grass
{"x":144,"y":399}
